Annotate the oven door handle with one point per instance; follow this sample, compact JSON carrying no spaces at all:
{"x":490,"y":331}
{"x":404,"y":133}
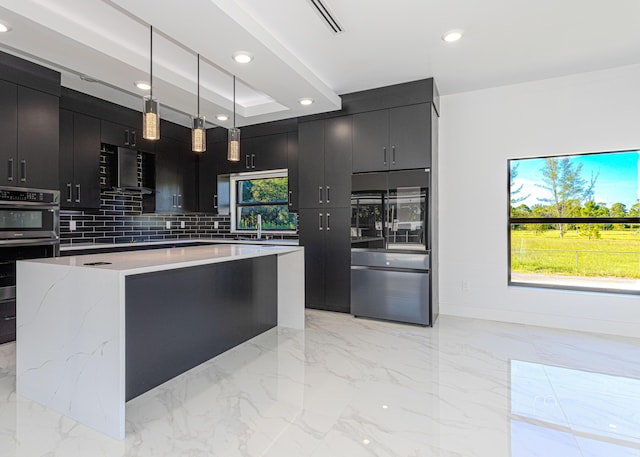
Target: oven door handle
{"x":29,"y":241}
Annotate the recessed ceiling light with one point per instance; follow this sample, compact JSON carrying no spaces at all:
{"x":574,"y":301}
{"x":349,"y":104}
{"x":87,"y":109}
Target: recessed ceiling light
{"x":305,"y":101}
{"x":452,"y":36}
{"x":242,"y":57}
{"x":4,"y":27}
{"x":143,"y":85}
{"x":222,"y":117}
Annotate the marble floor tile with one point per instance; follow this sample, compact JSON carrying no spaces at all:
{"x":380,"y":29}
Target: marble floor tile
{"x":356,"y":387}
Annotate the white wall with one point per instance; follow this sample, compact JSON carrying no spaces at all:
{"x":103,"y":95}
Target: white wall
{"x":479,"y":131}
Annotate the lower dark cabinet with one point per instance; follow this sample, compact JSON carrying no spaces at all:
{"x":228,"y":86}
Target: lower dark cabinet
{"x":325,"y":235}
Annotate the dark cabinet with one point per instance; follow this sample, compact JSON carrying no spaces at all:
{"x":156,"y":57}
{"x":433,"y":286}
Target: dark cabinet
{"x":125,"y":136}
{"x":292,"y":166}
{"x":392,"y":139}
{"x":175,"y":176}
{"x":29,"y":125}
{"x":209,"y":166}
{"x":324,"y":167}
{"x":79,"y":161}
{"x":324,"y":233}
{"x":259,"y":153}
{"x":324,"y":180}
{"x":8,"y":133}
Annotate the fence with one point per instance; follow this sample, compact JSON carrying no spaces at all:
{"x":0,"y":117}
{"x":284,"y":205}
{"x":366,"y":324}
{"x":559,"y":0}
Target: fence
{"x":576,"y":262}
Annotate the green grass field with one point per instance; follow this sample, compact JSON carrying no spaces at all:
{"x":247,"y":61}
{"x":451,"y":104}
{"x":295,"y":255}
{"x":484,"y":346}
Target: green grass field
{"x":615,"y":253}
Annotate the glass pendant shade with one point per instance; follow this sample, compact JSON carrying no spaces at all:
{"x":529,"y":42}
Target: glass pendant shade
{"x":233,"y":154}
{"x":198,"y":135}
{"x":151,"y":119}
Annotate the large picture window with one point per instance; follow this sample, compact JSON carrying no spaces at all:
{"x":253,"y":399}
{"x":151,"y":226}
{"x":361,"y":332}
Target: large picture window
{"x":574,"y":221}
{"x":264,"y":197}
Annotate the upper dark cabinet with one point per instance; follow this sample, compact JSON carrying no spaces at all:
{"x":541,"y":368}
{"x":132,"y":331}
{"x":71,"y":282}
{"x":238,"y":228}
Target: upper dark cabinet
{"x":79,"y":161}
{"x":292,"y":166}
{"x":8,"y":133}
{"x":175,"y":176}
{"x":392,"y":139}
{"x":125,"y":136}
{"x":268,"y":152}
{"x":30,"y":141}
{"x":324,"y":163}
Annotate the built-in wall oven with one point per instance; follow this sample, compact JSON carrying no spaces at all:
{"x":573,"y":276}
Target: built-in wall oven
{"x":29,"y":229}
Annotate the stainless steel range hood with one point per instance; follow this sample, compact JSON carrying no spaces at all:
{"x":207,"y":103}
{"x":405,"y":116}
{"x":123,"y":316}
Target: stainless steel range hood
{"x":128,"y":180}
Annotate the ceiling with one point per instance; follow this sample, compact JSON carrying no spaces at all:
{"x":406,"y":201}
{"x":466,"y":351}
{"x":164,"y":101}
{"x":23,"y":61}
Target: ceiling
{"x":296,"y":55}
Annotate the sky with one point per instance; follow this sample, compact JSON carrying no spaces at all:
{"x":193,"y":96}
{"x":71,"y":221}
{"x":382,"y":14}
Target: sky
{"x":618,"y":177}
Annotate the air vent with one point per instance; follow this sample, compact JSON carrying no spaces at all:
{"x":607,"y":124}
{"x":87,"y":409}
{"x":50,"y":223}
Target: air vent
{"x":326,"y":15}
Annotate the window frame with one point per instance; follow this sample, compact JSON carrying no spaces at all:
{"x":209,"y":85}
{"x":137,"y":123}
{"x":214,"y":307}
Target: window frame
{"x":561,"y":220}
{"x":234,"y":205}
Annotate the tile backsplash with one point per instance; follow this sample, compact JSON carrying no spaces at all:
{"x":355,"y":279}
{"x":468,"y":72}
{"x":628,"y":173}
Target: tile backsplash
{"x":120,"y":220}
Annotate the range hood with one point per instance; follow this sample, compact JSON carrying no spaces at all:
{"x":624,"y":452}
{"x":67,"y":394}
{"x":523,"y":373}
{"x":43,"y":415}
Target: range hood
{"x":128,"y":181}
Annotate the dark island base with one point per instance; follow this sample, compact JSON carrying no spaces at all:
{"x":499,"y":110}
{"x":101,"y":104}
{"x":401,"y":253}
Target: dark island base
{"x":178,"y":319}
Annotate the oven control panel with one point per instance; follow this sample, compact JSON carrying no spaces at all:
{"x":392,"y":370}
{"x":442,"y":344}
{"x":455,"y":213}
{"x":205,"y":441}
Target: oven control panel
{"x":34,"y":196}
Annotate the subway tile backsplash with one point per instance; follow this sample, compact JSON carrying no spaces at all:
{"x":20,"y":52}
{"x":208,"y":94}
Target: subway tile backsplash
{"x":121,"y":220}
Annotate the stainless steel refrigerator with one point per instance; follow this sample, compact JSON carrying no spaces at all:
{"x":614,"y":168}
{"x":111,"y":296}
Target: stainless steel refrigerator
{"x":390,"y":262}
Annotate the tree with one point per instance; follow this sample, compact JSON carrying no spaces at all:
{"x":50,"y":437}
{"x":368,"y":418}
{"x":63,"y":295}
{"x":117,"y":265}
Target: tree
{"x":512,"y":182}
{"x":562,"y":178}
{"x":592,"y":209}
{"x":618,"y":210}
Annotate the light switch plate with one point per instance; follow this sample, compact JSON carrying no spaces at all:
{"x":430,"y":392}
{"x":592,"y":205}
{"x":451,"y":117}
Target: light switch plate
{"x":181,"y":224}
{"x":167,"y":224}
{"x":215,"y":225}
{"x":72,"y":226}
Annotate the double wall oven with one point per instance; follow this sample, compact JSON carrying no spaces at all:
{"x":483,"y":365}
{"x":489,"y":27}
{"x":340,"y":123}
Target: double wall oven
{"x":29,"y":229}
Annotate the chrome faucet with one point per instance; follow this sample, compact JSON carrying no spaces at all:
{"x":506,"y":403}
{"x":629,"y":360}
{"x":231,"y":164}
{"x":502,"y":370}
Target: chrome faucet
{"x":259,"y":235}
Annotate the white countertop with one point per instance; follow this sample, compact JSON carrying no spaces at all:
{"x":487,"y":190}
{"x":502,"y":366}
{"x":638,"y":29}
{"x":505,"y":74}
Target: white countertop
{"x":81,"y":247}
{"x":145,"y":261}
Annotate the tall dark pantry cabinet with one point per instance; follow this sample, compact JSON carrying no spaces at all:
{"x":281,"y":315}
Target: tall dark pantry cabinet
{"x":389,"y":129}
{"x":324,"y":188}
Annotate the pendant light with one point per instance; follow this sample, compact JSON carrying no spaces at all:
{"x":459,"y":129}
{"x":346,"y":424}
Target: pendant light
{"x":151,"y":115}
{"x":233,"y":153}
{"x":198,"y":132}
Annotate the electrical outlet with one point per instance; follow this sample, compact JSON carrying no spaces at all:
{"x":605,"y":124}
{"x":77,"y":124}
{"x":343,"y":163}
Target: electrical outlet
{"x":72,"y":226}
{"x":181,"y":224}
{"x":215,"y":225}
{"x":167,"y":224}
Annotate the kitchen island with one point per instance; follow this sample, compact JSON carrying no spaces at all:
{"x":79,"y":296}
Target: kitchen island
{"x":94,"y":331}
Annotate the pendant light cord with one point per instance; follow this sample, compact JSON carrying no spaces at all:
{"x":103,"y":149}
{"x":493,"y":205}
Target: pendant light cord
{"x":151,"y":62}
{"x":198,"y":85}
{"x":234,"y":101}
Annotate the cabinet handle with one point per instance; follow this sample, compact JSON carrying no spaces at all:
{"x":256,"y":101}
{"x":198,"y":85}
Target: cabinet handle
{"x":69,"y":192}
{"x":173,"y":200}
{"x":328,"y":221}
{"x":179,"y":201}
{"x":393,"y":155}
{"x":320,"y":194}
{"x":126,"y":137}
{"x":289,"y":199}
{"x":328,"y":194}
{"x":23,"y":170}
{"x":246,"y":161}
{"x":384,"y":155}
{"x":215,"y":201}
{"x":77,"y":193}
{"x":10,"y":169}
{"x":253,"y":160}
{"x":319,"y":221}
{"x":133,"y":137}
